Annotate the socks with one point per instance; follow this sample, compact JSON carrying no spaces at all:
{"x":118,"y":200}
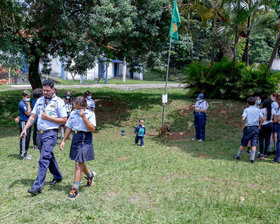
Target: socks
{"x":89,"y":174}
{"x":76,"y":184}
{"x":239,"y":152}
{"x":253,"y":155}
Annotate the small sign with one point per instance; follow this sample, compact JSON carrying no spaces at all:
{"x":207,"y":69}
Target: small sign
{"x":164,"y":98}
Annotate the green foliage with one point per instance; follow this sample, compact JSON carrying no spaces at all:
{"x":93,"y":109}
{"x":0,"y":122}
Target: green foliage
{"x":217,"y":82}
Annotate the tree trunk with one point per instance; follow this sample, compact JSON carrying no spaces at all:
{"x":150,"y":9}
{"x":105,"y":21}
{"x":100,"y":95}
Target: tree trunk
{"x":34,"y":76}
{"x":245,"y":56}
{"x":234,"y":51}
{"x":213,"y":41}
{"x":273,"y":54}
{"x":226,"y":49}
{"x":189,"y":31}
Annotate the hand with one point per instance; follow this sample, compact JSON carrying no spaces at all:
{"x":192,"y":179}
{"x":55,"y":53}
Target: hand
{"x":28,"y":103}
{"x":23,"y":133}
{"x":243,"y":127}
{"x":82,"y":113}
{"x":61,"y":147}
{"x":17,"y":119}
{"x":44,"y":116}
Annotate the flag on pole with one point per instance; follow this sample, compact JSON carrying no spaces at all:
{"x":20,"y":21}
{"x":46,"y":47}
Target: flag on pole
{"x":175,"y":23}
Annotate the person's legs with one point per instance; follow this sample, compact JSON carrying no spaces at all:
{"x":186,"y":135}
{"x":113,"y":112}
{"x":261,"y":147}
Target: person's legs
{"x":136,"y":139}
{"x":28,"y":136}
{"x":267,"y":138}
{"x":74,"y":193}
{"x":202,"y":124}
{"x":35,"y":135}
{"x":196,"y":125}
{"x":142,"y":141}
{"x":254,"y":142}
{"x":89,"y":175}
{"x":261,"y":140}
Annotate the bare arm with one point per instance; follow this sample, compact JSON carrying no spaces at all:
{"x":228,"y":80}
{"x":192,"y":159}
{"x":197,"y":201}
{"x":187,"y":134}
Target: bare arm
{"x":243,"y":122}
{"x":29,"y":123}
{"x":89,"y":126}
{"x":261,"y":122}
{"x":66,"y":135}
{"x":28,"y":112}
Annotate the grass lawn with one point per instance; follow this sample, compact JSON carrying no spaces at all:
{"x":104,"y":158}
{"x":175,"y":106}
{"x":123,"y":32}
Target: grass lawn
{"x":176,"y":182}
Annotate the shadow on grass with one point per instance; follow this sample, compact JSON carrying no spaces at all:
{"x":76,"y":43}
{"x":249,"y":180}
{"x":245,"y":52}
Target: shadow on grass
{"x":14,"y":156}
{"x":26,"y":182}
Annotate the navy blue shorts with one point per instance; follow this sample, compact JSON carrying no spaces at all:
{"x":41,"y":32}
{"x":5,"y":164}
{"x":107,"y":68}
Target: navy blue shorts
{"x":250,"y":133}
{"x":82,"y":147}
{"x":274,"y":127}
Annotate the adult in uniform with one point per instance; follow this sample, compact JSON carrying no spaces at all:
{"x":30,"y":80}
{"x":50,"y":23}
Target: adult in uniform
{"x":51,"y":113}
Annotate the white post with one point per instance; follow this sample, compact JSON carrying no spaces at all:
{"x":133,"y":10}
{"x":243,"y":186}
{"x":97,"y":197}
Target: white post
{"x":9,"y":76}
{"x":124,"y":70}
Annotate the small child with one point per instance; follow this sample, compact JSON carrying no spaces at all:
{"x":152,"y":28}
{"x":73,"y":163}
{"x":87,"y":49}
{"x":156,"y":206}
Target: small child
{"x":90,"y":101}
{"x":24,"y":113}
{"x":252,"y":120}
{"x":200,"y":109}
{"x":275,"y":106}
{"x":140,"y":132}
{"x":83,"y":123}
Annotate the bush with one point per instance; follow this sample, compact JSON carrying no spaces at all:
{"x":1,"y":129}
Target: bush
{"x":218,"y":82}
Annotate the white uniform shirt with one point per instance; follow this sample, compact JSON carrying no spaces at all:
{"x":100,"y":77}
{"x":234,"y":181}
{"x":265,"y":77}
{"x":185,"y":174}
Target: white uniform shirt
{"x":76,"y":123}
{"x":264,"y":113}
{"x":53,"y":107}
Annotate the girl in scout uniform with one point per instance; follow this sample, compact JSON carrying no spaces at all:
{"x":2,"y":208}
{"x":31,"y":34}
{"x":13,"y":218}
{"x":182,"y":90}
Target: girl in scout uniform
{"x":90,"y":101}
{"x":82,"y":123}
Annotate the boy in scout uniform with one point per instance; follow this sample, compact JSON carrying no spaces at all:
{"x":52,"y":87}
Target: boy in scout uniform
{"x":252,"y":120}
{"x":51,"y":113}
{"x":24,"y":113}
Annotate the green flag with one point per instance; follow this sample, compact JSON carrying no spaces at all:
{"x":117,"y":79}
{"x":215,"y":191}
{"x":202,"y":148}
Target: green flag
{"x":175,"y":23}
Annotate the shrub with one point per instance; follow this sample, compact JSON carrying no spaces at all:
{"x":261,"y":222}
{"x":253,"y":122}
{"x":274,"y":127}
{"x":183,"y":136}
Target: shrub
{"x":218,"y":82}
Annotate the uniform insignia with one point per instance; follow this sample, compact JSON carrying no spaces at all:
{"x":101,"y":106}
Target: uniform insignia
{"x":25,"y":108}
{"x":52,"y":106}
{"x":50,"y":113}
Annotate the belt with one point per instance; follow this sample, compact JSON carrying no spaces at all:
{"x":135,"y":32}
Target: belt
{"x":76,"y":132}
{"x":200,"y":112}
{"x":42,"y":132}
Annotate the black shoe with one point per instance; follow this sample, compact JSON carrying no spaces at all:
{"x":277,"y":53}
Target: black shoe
{"x":34,"y":191}
{"x":249,"y":151}
{"x":74,"y":193}
{"x":252,"y":161}
{"x":236,"y":157}
{"x":54,"y":182}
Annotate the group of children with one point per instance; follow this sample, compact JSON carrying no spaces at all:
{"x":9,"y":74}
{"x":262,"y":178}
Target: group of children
{"x":80,"y":120}
{"x":260,"y":124}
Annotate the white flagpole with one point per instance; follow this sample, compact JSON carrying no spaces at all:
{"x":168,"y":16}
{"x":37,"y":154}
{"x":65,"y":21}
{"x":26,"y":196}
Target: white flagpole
{"x":166,"y":80}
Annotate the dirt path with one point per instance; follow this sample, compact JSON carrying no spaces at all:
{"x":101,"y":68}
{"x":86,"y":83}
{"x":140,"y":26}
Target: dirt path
{"x":116,"y":86}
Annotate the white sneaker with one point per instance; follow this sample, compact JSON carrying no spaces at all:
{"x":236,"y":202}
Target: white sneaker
{"x":200,"y":140}
{"x":28,"y":157}
{"x":142,"y":145}
{"x":193,"y":139}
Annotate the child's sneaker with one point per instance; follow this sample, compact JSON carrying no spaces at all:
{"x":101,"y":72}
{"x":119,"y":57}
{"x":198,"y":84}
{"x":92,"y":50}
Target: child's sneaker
{"x":249,"y":151}
{"x":90,"y":181}
{"x":194,"y":139}
{"x":74,"y":193}
{"x":236,"y":157}
{"x":142,"y":145}
{"x":200,"y":140}
{"x":252,"y":161}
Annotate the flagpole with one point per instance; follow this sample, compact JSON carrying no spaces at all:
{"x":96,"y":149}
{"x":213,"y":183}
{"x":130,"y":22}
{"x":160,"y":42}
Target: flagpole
{"x":166,"y":80}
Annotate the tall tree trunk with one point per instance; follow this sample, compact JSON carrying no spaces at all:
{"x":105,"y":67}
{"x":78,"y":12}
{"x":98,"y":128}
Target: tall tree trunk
{"x":189,"y":30}
{"x":33,"y":76}
{"x":273,"y":53}
{"x":226,"y":48}
{"x":213,"y":41}
{"x":234,"y":51}
{"x":245,"y":56}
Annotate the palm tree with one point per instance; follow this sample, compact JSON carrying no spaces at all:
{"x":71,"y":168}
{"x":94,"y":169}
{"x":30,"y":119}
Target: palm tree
{"x":275,"y":4}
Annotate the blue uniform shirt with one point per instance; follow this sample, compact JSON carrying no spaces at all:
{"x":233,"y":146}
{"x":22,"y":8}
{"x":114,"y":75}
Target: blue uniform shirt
{"x":53,"y":107}
{"x":90,"y":103}
{"x":252,"y":115}
{"x":76,"y":123}
{"x":140,"y":130}
{"x":201,"y":104}
{"x":22,"y":108}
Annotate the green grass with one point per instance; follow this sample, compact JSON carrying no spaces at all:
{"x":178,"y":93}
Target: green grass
{"x":176,"y":182}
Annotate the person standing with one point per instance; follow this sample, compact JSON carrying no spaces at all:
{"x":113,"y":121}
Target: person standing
{"x":90,"y":101}
{"x":51,"y":113}
{"x":24,"y":113}
{"x":82,"y":123}
{"x":200,"y":109}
